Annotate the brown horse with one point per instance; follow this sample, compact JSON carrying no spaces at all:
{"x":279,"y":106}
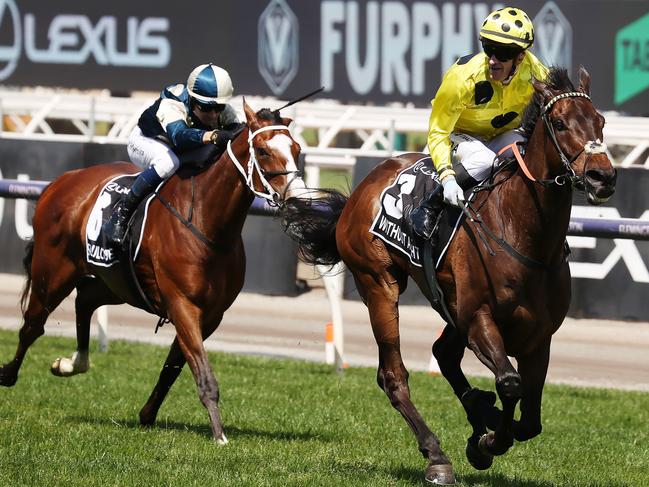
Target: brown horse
{"x":191,"y":277}
{"x":504,"y":301}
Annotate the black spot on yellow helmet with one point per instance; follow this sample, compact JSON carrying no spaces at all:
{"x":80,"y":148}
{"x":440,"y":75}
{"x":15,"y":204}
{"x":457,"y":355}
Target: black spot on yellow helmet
{"x":508,"y":25}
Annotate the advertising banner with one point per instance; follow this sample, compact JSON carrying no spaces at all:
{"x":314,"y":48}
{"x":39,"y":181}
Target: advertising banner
{"x":364,"y":51}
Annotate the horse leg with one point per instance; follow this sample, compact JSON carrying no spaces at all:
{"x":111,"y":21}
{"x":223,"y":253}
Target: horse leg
{"x":392,"y":376}
{"x":487,"y":343}
{"x":170,"y":371}
{"x":186,"y":317}
{"x":533,"y":369}
{"x":91,"y":293}
{"x":49,"y":286}
{"x":448,"y":349}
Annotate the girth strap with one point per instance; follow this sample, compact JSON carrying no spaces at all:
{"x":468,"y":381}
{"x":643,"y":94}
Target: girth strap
{"x":192,"y":228}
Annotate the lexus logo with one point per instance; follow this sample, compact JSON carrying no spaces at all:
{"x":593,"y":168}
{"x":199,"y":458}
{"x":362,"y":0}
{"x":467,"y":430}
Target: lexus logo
{"x":553,"y":39}
{"x":9,"y":31}
{"x":278,"y":45}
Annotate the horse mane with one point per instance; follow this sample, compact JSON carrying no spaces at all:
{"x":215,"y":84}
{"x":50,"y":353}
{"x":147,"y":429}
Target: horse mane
{"x":558,"y":80}
{"x":272,"y":116}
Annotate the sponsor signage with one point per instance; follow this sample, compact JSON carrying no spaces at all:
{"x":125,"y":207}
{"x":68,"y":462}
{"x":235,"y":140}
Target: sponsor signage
{"x":632,"y":60}
{"x":365,"y":51}
{"x":277,"y":51}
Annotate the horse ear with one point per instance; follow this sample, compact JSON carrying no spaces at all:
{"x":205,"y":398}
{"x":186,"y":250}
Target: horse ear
{"x":251,"y":116}
{"x":542,"y":88}
{"x":287,"y":121}
{"x":584,"y":80}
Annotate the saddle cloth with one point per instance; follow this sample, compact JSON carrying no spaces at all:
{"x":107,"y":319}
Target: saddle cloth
{"x":398,"y":201}
{"x":98,"y":252}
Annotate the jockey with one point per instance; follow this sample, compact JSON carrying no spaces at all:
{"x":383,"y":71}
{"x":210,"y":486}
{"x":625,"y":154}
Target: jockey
{"x":477,"y":106}
{"x":184,"y":117}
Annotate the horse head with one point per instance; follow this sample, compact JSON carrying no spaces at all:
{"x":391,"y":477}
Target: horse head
{"x":272,"y":171}
{"x":575,"y":128}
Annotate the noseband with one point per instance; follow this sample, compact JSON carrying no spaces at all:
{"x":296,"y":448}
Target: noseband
{"x":253,"y":166}
{"x":591,"y":147}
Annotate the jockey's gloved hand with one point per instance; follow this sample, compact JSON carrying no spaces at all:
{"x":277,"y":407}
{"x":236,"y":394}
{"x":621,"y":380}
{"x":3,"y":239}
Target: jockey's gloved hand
{"x":220,"y":137}
{"x":453,"y":194}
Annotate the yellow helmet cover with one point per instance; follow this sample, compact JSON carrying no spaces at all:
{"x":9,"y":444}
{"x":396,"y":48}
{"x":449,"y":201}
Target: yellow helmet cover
{"x":508,"y":25}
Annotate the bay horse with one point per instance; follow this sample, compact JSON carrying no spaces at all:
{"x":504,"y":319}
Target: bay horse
{"x":505,"y":301}
{"x":190,"y":277}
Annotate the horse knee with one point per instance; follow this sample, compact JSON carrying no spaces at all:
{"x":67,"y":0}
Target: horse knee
{"x":509,"y":386}
{"x":396,"y":389}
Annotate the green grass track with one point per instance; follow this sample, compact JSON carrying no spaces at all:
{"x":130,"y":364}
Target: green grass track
{"x":289,"y":423}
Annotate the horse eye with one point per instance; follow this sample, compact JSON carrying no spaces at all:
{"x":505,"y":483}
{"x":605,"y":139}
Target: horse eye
{"x":558,"y":124}
{"x":261,"y":152}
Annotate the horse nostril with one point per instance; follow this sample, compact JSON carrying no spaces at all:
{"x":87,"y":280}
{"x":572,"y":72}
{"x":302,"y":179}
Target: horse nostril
{"x":601,"y":176}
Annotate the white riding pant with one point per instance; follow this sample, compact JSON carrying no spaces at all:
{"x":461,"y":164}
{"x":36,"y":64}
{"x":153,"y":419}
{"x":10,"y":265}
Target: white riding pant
{"x":477,"y":156}
{"x":145,"y":152}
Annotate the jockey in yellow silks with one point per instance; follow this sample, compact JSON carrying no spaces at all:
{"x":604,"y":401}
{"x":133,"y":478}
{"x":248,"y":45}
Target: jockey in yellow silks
{"x":477,"y":106}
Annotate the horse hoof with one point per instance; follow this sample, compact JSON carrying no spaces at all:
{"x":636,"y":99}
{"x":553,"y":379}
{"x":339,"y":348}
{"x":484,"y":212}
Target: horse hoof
{"x":440,"y":474}
{"x":222,"y":440}
{"x":479,"y":459}
{"x":7,"y":379}
{"x":66,"y":367}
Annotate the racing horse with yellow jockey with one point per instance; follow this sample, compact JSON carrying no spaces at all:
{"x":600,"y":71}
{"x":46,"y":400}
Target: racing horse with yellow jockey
{"x":505,"y":275}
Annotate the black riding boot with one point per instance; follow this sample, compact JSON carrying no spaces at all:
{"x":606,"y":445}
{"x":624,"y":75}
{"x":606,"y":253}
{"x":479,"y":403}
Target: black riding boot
{"x":115,"y":226}
{"x":424,"y":217}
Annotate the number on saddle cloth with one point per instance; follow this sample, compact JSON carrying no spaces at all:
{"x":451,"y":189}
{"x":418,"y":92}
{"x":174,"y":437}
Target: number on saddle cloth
{"x":399,"y":199}
{"x":98,"y":251}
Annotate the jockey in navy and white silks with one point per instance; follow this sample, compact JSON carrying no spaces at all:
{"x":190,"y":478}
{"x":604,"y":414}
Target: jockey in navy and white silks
{"x":183,"y":118}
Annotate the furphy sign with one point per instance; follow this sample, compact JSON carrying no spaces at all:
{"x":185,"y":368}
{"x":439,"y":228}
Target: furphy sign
{"x":390,"y":47}
{"x":76,"y":39}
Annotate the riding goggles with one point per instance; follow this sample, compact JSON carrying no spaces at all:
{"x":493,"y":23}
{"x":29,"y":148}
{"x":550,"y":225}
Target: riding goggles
{"x":210,"y":108}
{"x":502,"y":53}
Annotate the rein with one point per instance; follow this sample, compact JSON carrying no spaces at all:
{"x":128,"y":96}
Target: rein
{"x":253,"y":167}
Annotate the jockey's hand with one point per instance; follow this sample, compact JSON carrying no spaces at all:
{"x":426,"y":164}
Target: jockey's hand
{"x":221,"y":137}
{"x":453,"y":194}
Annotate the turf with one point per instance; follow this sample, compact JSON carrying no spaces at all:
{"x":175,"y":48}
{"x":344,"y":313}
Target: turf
{"x":289,"y":423}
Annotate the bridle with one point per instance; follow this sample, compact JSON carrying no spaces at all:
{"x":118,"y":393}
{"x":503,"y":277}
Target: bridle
{"x":253,"y":167}
{"x":591,"y":147}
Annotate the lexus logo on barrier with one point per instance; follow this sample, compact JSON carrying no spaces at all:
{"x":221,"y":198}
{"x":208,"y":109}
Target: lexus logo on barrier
{"x":75,"y":38}
{"x":278,"y":45}
{"x":9,"y":53}
{"x":553,"y":39}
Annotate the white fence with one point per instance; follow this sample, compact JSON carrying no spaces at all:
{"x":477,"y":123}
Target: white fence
{"x":331,"y":134}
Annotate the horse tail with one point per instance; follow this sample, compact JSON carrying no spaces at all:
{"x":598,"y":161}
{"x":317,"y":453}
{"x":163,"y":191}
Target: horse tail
{"x":311,"y":222}
{"x":27,"y":265}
